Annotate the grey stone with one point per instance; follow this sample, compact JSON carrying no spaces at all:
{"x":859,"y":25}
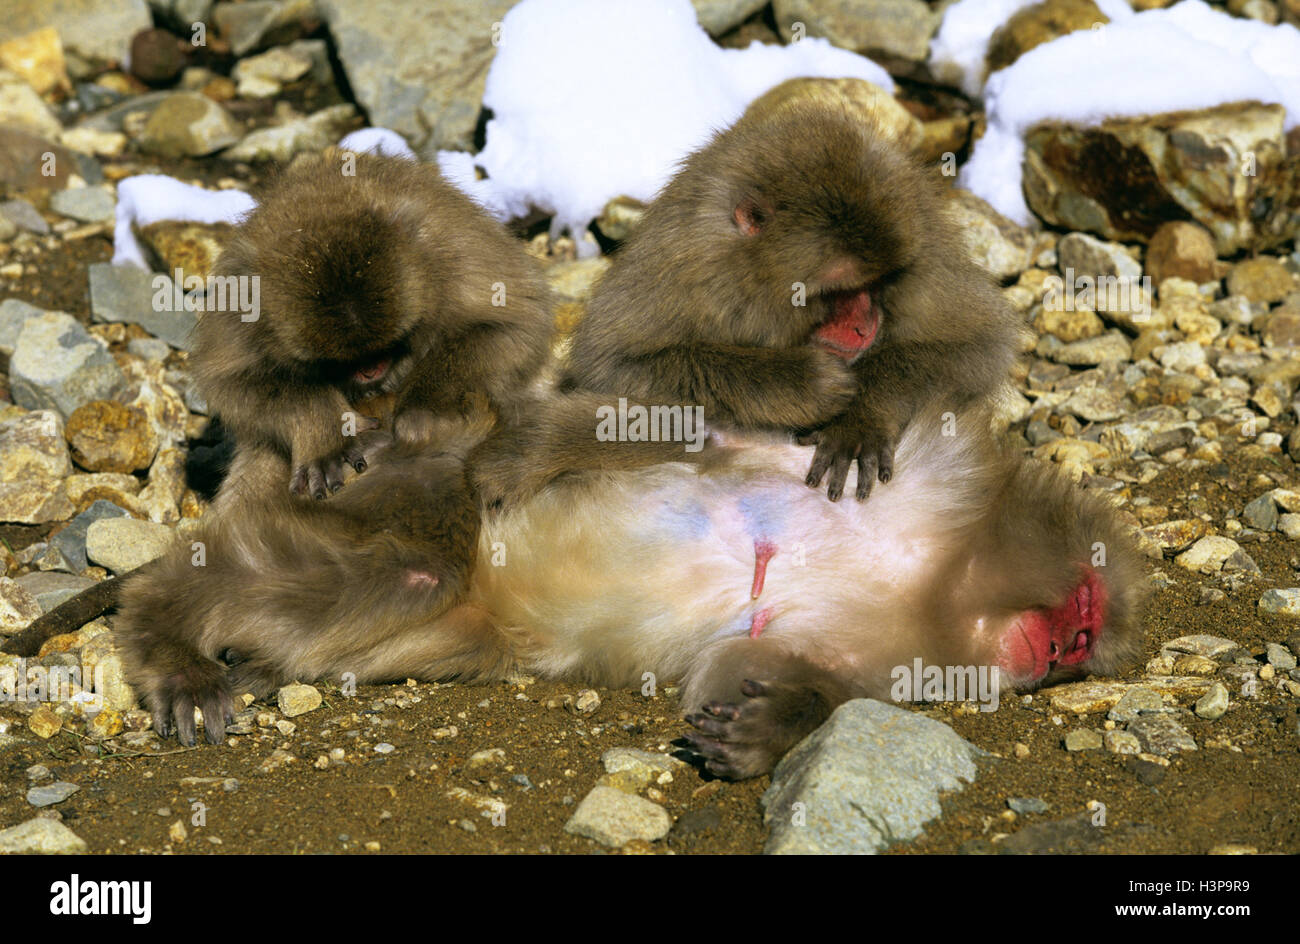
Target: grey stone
{"x":149,"y":349}
{"x":13,"y":312}
{"x":1261,"y":513}
{"x":51,"y":588}
{"x":1083,"y":739}
{"x":41,"y":836}
{"x":1212,"y":647}
{"x":1213,"y":703}
{"x":128,"y":294}
{"x":1023,"y":805}
{"x":51,"y":793}
{"x":25,"y":216}
{"x":188,"y":124}
{"x":113,"y":118}
{"x":93,"y":29}
{"x":425,"y":81}
{"x":87,"y":204}
{"x":614,"y":818}
{"x":1279,"y":656}
{"x":1135,"y":702}
{"x":70,"y":543}
{"x":1121,"y":742}
{"x":57,"y":365}
{"x":869,"y":777}
{"x":1161,"y":735}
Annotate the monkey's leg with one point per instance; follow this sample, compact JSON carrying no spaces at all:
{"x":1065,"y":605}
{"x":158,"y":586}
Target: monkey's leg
{"x":172,"y":675}
{"x":750,"y":701}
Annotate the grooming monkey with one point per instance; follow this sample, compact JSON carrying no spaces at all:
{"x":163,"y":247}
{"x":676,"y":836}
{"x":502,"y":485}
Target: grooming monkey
{"x":772,"y":604}
{"x":798,"y":274}
{"x":385,"y":280}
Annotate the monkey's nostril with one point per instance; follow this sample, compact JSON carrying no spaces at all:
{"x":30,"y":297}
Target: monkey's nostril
{"x":1053,"y":651}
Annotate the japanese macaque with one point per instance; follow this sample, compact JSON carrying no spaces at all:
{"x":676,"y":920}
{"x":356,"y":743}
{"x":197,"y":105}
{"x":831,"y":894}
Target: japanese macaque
{"x":798,"y":274}
{"x":771,"y":604}
{"x":375,"y":276}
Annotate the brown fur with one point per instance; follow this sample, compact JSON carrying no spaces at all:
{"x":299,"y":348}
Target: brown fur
{"x":391,"y":265}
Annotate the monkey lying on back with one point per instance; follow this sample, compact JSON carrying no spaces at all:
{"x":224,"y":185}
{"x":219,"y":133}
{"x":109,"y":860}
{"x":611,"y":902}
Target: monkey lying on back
{"x":772,"y":604}
{"x":798,"y":274}
{"x":376,"y":276}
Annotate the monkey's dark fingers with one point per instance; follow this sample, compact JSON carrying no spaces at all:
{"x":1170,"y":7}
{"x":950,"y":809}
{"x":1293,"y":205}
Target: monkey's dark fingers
{"x":702,"y":722}
{"x":752,"y":688}
{"x":821,"y":462}
{"x":723,"y":710}
{"x":840,"y":464}
{"x":218,"y":711}
{"x":867,"y":465}
{"x":316,"y":481}
{"x":182,"y":710}
{"x":885,"y":456}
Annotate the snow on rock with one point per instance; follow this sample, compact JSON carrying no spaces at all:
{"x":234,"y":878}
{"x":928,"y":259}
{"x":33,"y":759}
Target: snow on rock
{"x":377,"y":141}
{"x":1185,"y":57}
{"x":957,"y":51}
{"x":592,"y":100}
{"x":149,"y":198}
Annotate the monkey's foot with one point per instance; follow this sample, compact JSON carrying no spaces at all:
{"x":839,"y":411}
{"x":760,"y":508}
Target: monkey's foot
{"x":201,"y":684}
{"x":841,"y":444}
{"x":1065,"y":635}
{"x":745,"y":739}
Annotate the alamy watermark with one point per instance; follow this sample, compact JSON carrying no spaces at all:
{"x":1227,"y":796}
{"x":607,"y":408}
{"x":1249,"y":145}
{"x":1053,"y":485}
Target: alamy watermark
{"x":241,"y":293}
{"x":637,"y":423}
{"x":55,"y":683}
{"x":934,"y":683}
{"x":1109,"y":293}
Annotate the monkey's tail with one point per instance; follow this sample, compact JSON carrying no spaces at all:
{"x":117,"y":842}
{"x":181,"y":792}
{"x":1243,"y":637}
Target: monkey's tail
{"x":67,"y":617}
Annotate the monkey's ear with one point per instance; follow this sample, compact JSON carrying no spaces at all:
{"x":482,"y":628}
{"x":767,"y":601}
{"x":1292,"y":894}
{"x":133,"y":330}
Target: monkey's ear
{"x":751,"y":215}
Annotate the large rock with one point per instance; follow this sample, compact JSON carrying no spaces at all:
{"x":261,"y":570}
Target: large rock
{"x":58,"y":365}
{"x":93,"y":29}
{"x":893,"y":32}
{"x":123,"y":544}
{"x":424,"y":81}
{"x":1127,"y":176}
{"x":32,"y":446}
{"x":107,"y":436}
{"x":869,"y":777}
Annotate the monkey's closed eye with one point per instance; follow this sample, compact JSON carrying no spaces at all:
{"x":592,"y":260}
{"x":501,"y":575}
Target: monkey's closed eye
{"x":749,"y":216}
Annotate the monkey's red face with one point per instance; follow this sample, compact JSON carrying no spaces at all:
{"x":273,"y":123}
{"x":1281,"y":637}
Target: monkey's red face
{"x":852,"y":326}
{"x":1057,"y":642}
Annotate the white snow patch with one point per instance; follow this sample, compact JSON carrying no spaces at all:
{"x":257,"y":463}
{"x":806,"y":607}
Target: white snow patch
{"x":377,"y":141}
{"x":1185,"y":57}
{"x":149,"y":198}
{"x":593,"y":100}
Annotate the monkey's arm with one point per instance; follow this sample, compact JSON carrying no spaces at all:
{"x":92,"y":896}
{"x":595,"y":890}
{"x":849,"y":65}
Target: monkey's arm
{"x":894,"y":384}
{"x":751,"y":387}
{"x":495,"y":359}
{"x":306,"y":421}
{"x":561,"y":438}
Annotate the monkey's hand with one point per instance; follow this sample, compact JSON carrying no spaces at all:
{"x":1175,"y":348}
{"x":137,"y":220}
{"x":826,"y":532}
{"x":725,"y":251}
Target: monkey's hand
{"x":322,"y":475}
{"x":855,"y":437}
